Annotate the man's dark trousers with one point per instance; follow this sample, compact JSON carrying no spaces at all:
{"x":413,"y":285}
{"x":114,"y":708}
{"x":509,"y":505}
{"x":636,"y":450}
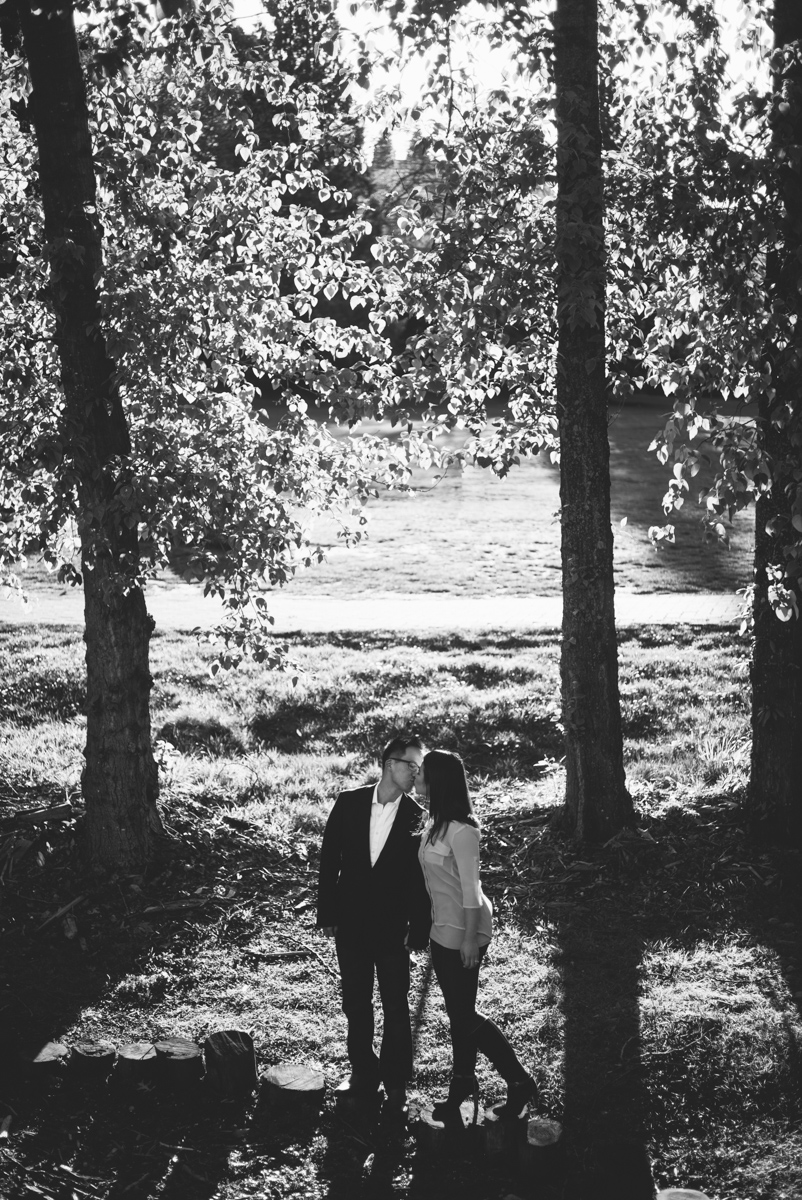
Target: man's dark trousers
{"x":358,"y":961}
{"x":378,"y":910}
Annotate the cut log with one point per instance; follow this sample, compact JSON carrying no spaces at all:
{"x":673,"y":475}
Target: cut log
{"x":289,"y":1083}
{"x":180,"y":1062}
{"x":231,"y":1062}
{"x":92,"y":1062}
{"x":136,"y":1065}
{"x":540,"y":1154}
{"x":48,"y":1059}
{"x":503,"y":1136}
{"x":680,"y":1194}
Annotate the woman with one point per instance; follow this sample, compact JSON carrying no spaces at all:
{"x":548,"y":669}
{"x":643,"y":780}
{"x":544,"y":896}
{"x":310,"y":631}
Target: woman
{"x":462,"y":926}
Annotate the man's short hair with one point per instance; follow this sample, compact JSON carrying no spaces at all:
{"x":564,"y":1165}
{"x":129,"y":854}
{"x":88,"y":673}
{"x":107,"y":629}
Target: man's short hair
{"x":398,"y":745}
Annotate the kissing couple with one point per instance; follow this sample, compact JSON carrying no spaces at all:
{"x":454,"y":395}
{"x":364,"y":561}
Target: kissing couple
{"x":394,"y":879}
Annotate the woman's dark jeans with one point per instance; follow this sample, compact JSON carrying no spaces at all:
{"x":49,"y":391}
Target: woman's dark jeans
{"x":470,"y":1030}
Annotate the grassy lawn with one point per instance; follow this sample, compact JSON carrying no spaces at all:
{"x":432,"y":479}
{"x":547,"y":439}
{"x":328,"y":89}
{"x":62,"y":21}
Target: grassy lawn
{"x":652,"y":985}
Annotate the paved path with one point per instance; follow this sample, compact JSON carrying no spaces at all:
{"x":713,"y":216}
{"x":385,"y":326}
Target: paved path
{"x":180,"y":606}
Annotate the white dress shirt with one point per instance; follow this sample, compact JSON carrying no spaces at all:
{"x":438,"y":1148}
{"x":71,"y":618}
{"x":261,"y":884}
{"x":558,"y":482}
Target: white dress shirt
{"x":381,"y":822}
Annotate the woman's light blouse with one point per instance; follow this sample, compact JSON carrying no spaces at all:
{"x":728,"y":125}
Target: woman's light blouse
{"x":451,"y":870}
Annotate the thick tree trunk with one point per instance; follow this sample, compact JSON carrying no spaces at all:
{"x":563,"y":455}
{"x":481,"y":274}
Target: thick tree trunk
{"x":776,"y":799}
{"x":596,"y":801}
{"x":120,"y":782}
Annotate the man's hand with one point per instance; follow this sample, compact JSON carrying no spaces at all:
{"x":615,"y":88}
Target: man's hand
{"x":328,"y":930}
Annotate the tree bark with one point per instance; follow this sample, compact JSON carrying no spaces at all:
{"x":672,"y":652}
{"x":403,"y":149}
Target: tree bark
{"x":596,"y":800}
{"x":776,"y":667}
{"x":120,"y":781}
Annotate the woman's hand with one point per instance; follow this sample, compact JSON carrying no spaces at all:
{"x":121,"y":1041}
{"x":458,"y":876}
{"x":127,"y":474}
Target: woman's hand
{"x":469,"y":952}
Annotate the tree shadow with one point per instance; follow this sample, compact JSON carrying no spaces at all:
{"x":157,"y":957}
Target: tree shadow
{"x":697,"y":882}
{"x":70,"y":1137}
{"x":699,"y":877}
{"x":603,"y":1075}
{"x":191,"y":735}
{"x":487,"y":741}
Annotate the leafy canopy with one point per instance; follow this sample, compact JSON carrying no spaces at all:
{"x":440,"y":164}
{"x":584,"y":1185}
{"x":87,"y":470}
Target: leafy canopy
{"x":224,"y":239}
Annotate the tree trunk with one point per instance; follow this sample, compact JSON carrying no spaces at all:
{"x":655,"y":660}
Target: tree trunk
{"x":596,"y":800}
{"x":120,"y":781}
{"x":777,"y":646}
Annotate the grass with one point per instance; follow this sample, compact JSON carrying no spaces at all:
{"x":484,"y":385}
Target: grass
{"x":652,"y":985}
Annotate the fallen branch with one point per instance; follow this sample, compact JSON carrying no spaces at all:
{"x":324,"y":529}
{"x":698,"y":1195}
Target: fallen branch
{"x":309,"y":950}
{"x":65,"y":909}
{"x":56,"y":812}
{"x":279,"y":955}
{"x":174,"y":906}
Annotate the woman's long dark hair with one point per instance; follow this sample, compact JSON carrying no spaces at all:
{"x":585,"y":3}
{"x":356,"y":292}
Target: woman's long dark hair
{"x":449,"y":798}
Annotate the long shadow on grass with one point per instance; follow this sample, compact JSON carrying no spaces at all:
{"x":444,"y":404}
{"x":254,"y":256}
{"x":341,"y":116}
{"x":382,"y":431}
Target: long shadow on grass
{"x":715,"y":1052}
{"x":70,"y":1135}
{"x":604,"y":1096}
{"x":729,"y":908}
{"x":479,"y":712}
{"x":135,"y":1143}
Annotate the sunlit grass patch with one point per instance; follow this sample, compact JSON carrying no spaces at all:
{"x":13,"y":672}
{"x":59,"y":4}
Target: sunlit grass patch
{"x":48,"y":756}
{"x":722,"y":1047}
{"x":42,"y":677}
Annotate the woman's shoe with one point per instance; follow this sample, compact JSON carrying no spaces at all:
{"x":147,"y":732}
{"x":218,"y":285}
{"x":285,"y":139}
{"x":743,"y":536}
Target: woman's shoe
{"x":460,"y":1088}
{"x":519,"y":1096}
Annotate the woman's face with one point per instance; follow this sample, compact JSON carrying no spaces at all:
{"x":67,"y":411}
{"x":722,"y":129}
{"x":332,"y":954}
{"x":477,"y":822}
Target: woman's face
{"x":422,"y":784}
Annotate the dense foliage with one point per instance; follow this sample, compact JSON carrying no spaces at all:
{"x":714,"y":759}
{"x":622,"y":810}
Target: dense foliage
{"x":215,"y":264}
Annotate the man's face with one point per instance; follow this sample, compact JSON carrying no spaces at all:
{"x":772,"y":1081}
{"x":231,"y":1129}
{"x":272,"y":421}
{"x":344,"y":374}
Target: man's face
{"x":404,"y":766}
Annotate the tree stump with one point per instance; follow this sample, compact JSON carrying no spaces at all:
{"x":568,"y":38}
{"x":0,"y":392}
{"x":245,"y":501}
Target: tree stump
{"x":180,"y":1062}
{"x":502,"y":1136}
{"x":231,"y":1062}
{"x":49,"y":1059}
{"x":290,"y":1084}
{"x":541,"y":1150}
{"x":136,"y":1065}
{"x":92,"y":1062}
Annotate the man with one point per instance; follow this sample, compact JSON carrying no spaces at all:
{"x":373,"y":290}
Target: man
{"x":372,"y":899}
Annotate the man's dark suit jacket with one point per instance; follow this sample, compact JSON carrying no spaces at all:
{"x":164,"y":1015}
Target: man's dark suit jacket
{"x":383,"y":903}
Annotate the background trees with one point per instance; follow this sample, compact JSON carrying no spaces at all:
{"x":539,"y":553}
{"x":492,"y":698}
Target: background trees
{"x":86,"y":444}
{"x":597,"y":802}
{"x":777,"y":655}
{"x":705,"y":235}
{"x":498,"y":279}
{"x":156,"y":439}
{"x":233,"y":255}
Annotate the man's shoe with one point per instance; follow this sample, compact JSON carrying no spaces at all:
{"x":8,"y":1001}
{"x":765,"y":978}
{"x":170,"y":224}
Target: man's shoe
{"x":395,"y":1106}
{"x":358,"y":1089}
